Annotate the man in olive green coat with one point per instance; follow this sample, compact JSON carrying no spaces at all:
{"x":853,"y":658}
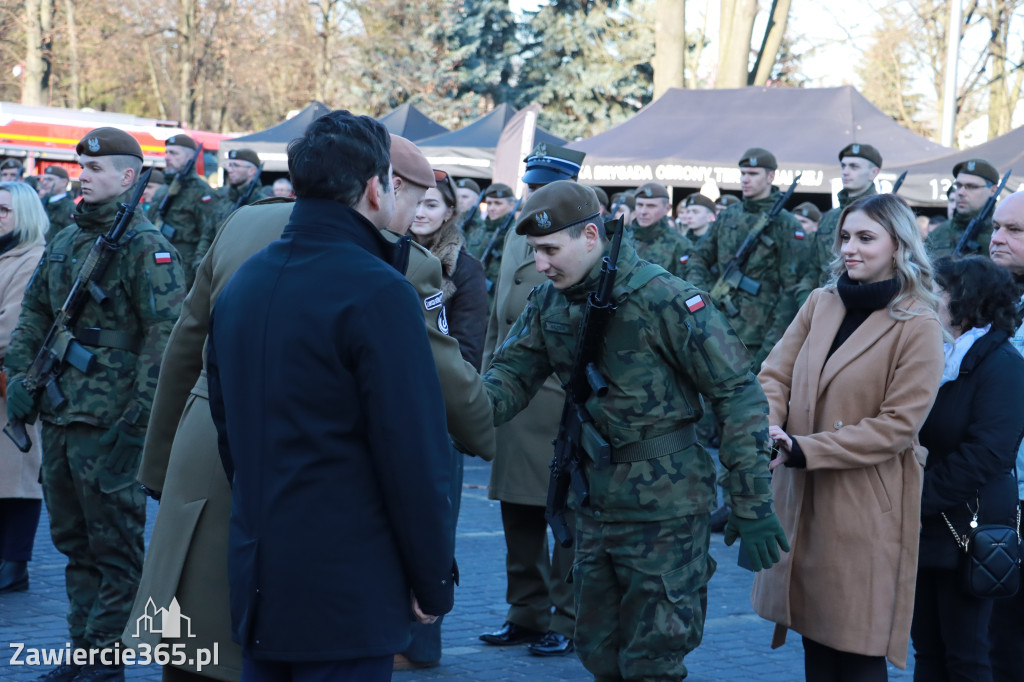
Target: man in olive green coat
{"x":642,"y":561}
{"x":93,"y":440}
{"x":976,"y":181}
{"x":760,"y":318}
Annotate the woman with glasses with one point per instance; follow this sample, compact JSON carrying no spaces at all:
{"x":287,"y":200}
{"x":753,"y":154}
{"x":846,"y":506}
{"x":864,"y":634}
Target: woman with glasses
{"x":435,"y":227}
{"x":22,"y":224}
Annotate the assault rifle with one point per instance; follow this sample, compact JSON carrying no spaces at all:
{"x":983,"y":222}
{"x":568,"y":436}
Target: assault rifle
{"x":969,"y":239}
{"x":899,"y":183}
{"x":732,"y":277}
{"x":173,"y":191}
{"x":498,"y":238}
{"x":577,"y":435}
{"x":243,"y":199}
{"x":60,"y":348}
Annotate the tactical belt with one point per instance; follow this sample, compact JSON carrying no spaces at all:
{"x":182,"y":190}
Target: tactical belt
{"x":656,"y":447}
{"x":108,"y":338}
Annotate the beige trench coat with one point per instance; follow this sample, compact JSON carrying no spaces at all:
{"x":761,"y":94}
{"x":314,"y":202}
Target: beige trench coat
{"x":853,"y":515}
{"x":19,"y":471}
{"x":520,"y":470}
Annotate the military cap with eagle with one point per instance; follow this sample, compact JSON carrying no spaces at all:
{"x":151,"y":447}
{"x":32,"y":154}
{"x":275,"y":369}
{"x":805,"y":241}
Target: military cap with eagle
{"x":756,"y":157}
{"x":549,"y":162}
{"x":862,"y":151}
{"x":557,"y":206}
{"x":108,"y":142}
{"x":979,"y":167}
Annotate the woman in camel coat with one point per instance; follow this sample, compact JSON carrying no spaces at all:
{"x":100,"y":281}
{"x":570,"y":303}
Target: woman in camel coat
{"x":849,"y":386}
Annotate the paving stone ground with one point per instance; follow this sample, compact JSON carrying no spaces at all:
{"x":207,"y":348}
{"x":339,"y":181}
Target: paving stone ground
{"x":735,"y":647}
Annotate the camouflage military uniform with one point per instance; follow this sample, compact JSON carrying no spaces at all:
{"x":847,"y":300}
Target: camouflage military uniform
{"x":189,"y":221}
{"x":662,"y":245}
{"x":60,"y":214}
{"x":944,"y":238}
{"x":821,"y":252}
{"x":642,"y":562}
{"x":762,"y":318}
{"x":97,"y":512}
{"x":476,"y":244}
{"x":472,"y":230}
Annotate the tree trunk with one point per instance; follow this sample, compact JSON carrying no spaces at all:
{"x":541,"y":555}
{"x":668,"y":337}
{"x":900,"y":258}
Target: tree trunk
{"x":38,"y":43}
{"x":734,"y":48}
{"x":774,"y":31}
{"x":73,"y":67}
{"x":186,"y":56}
{"x":669,"y":45}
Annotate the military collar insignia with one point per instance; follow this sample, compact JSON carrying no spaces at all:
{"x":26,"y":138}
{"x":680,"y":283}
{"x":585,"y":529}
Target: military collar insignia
{"x":542,"y":220}
{"x":94,"y":145}
{"x":970,"y":166}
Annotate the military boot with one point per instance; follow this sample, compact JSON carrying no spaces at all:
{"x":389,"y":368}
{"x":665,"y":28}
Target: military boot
{"x":13,"y":576}
{"x":63,"y":673}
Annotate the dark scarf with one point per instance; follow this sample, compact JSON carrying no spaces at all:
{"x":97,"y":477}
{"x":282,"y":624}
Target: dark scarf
{"x":98,"y":217}
{"x":860,"y":300}
{"x":8,"y":242}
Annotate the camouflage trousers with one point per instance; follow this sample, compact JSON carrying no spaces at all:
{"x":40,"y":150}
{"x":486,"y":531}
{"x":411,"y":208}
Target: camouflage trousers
{"x":641,"y":596}
{"x":97,"y":521}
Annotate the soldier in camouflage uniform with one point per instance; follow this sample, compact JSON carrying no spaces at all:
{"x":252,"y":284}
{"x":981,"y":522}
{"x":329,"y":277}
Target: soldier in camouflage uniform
{"x":761,"y":318}
{"x":860,"y":165}
{"x":58,"y":204}
{"x":654,"y":237}
{"x":467,"y":194}
{"x":698,"y":216}
{"x":189,"y":220}
{"x":92,"y":443}
{"x":642,"y":562}
{"x":976,"y":181}
{"x":500,"y":201}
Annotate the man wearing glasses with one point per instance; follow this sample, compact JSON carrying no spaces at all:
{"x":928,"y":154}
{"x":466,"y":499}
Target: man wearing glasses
{"x":976,"y":181}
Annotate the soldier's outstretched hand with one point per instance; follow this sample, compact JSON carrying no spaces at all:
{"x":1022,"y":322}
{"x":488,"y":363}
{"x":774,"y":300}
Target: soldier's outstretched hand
{"x":762,"y":539}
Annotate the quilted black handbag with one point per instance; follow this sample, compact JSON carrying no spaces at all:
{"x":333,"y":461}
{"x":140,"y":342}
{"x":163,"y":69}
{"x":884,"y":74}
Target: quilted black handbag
{"x":990,"y":562}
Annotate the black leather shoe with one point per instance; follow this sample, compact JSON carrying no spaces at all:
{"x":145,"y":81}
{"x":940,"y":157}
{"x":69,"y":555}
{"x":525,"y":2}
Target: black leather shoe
{"x":552,"y":644}
{"x":13,"y":576}
{"x":511,"y":634}
{"x":63,"y":673}
{"x":719,"y":518}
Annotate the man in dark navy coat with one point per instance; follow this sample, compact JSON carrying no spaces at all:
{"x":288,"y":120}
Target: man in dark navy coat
{"x":340,"y":530}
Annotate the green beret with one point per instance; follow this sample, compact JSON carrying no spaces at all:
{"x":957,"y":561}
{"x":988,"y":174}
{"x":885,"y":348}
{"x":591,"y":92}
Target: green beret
{"x":698,"y":199}
{"x":861,"y":151}
{"x":979,"y":167}
{"x":624,"y":198}
{"x":755,"y":157}
{"x":556,"y":206}
{"x":157,"y":177}
{"x":244,"y":155}
{"x":651,"y":190}
{"x":727,"y":200}
{"x":499,"y":191}
{"x":181,"y":141}
{"x":809,"y":210}
{"x":108,"y":142}
{"x":602,"y":196}
{"x":10,"y":163}
{"x":56,"y":170}
{"x":468,"y":183}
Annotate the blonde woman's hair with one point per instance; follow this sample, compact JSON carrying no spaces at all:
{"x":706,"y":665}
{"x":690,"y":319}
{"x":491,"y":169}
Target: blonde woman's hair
{"x":911,"y":263}
{"x":30,"y":221}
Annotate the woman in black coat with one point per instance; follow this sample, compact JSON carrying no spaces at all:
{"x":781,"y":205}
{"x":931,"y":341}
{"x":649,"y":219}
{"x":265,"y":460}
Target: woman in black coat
{"x":972,"y":434}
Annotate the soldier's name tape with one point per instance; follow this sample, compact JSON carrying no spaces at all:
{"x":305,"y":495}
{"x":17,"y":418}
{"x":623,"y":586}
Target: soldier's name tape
{"x":144,"y":654}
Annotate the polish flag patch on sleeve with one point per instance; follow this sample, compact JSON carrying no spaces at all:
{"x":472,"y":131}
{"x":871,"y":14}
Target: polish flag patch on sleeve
{"x":694,"y":303}
{"x":683,"y":260}
{"x":162,"y":257}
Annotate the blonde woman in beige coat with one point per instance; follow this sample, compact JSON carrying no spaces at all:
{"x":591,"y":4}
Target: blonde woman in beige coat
{"x":849,"y":386}
{"x":22,"y":223}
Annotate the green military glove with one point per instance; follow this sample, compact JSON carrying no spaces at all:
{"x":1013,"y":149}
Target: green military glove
{"x":125,"y":443}
{"x":19,"y":402}
{"x":761,"y":539}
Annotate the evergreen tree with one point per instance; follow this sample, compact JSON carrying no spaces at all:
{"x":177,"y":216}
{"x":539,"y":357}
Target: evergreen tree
{"x":480,"y":43}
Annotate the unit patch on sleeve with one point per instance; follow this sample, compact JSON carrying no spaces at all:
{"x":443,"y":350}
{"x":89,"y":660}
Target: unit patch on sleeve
{"x":694,"y":303}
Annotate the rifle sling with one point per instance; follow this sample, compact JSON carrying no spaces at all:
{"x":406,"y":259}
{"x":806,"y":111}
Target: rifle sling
{"x":108,"y":338}
{"x":659,"y":446}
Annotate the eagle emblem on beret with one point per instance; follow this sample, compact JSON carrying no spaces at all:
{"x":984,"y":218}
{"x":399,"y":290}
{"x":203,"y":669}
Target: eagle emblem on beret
{"x":232,"y":154}
{"x":970,"y":165}
{"x":753,"y":161}
{"x":855,"y":149}
{"x":170,"y":140}
{"x":541,"y":150}
{"x":94,"y":144}
{"x":542,"y":220}
{"x":647,"y":192}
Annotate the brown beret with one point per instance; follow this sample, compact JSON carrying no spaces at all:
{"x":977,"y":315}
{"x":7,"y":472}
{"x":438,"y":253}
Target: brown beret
{"x":499,"y":191}
{"x":108,"y":142}
{"x":698,"y":199}
{"x":56,"y":170}
{"x":624,"y":198}
{"x":809,"y":210}
{"x":157,"y":177}
{"x":727,"y":200}
{"x":979,"y":167}
{"x":651,"y":190}
{"x":244,"y":155}
{"x":755,"y":157}
{"x":10,"y":163}
{"x":409,"y":163}
{"x":602,"y":196}
{"x":556,"y":206}
{"x":861,"y":151}
{"x":183,"y":141}
{"x":468,"y":183}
